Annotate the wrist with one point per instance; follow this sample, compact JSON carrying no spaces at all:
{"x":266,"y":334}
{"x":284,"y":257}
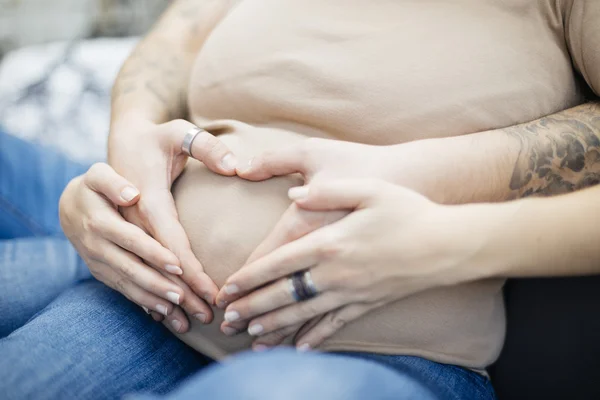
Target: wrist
{"x":491,"y":231}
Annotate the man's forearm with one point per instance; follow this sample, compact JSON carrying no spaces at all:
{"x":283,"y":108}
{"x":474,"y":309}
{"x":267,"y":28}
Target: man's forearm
{"x":153,"y":82}
{"x":554,"y":154}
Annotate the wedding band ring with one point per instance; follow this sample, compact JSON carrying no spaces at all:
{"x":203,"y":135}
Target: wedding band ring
{"x":188,"y":139}
{"x":301,"y":286}
{"x":309,"y":285}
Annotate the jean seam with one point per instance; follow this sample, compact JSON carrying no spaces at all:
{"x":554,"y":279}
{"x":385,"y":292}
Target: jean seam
{"x":29,"y":223}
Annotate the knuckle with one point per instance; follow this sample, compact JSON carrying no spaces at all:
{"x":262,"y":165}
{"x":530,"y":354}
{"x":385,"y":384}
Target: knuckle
{"x":94,"y":223}
{"x":330,"y":246}
{"x":95,"y":171}
{"x":129,"y":270}
{"x":309,"y":309}
{"x":120,"y":285}
{"x":336,"y":321}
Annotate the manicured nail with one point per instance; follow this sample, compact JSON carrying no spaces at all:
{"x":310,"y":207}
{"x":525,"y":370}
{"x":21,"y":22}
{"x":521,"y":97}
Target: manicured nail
{"x":298,"y":192}
{"x":129,"y":193}
{"x":229,"y":331}
{"x":255,"y":329}
{"x":173,"y":297}
{"x":200,"y":317}
{"x":231,"y":316}
{"x":176,"y":325}
{"x":231,"y":288}
{"x":229,"y":162}
{"x":174,"y":269}
{"x":246,"y":167}
{"x":260,"y":347}
{"x":146,"y":309}
{"x":303,"y":348}
{"x":222,"y":304}
{"x":161,"y":309}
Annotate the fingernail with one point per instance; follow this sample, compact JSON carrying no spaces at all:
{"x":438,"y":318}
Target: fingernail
{"x":231,"y":289}
{"x":146,"y":309}
{"x":200,"y":317}
{"x":229,"y":162}
{"x":129,"y":193}
{"x":303,"y":348}
{"x":260,"y":347}
{"x":173,"y":297}
{"x":176,"y":325}
{"x":255,"y":329}
{"x":298,"y":192}
{"x":222,"y":304}
{"x":174,"y":269}
{"x":229,"y":331}
{"x":231,"y":316}
{"x":246,"y":166}
{"x":161,"y":309}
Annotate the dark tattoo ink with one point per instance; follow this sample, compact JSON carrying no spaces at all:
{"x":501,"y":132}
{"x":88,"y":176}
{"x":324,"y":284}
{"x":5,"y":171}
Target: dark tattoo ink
{"x":559,"y":153}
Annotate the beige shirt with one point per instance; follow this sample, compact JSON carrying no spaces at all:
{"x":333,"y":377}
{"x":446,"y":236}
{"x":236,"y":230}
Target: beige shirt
{"x":381,"y":72}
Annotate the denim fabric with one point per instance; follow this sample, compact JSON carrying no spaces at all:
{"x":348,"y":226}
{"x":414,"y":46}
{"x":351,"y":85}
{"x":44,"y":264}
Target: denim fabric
{"x":37,"y":263}
{"x":287,"y":374}
{"x":32,"y":178}
{"x":66,"y":336}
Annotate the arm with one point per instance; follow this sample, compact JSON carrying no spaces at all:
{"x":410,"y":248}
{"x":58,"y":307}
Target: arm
{"x":552,"y":155}
{"x":153,"y":82}
{"x":145,"y":149}
{"x":558,"y":236}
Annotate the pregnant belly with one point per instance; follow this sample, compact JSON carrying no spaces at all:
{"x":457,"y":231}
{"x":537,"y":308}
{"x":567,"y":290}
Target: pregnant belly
{"x":227,"y":217}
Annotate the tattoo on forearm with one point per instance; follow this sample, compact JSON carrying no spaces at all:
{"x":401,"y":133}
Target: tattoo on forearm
{"x":559,"y":153}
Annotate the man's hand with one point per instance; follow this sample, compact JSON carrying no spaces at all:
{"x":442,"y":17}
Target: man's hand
{"x":150,"y":157}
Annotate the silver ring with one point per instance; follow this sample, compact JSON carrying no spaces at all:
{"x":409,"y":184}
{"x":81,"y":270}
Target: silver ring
{"x":309,"y":285}
{"x":188,"y":139}
{"x":301,"y":286}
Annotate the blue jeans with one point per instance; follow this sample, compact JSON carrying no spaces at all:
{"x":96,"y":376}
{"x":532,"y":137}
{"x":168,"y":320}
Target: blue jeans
{"x":64,"y":335}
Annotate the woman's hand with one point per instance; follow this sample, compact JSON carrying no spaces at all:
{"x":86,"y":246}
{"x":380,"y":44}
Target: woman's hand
{"x":117,"y":251}
{"x":394,"y":243}
{"x":150,"y":157}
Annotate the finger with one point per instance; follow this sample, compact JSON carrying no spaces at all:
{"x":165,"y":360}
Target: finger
{"x":205,"y":147}
{"x":136,"y":241}
{"x":156,"y":316}
{"x":256,"y":303}
{"x":330,"y":324}
{"x":166,"y":228}
{"x":298,"y":255}
{"x":297,"y":313}
{"x":130,"y":290}
{"x":268,"y":298}
{"x":274,"y":338}
{"x":102,"y":179}
{"x":294,"y":224}
{"x":284,"y":161}
{"x":131,"y":267}
{"x":177,"y":321}
{"x":192,"y":304}
{"x":337,"y":195}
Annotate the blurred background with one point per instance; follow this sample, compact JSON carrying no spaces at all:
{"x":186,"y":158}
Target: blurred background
{"x":58,"y":59}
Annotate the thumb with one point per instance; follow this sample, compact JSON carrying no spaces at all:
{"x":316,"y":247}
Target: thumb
{"x":102,"y":179}
{"x":338,"y":195}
